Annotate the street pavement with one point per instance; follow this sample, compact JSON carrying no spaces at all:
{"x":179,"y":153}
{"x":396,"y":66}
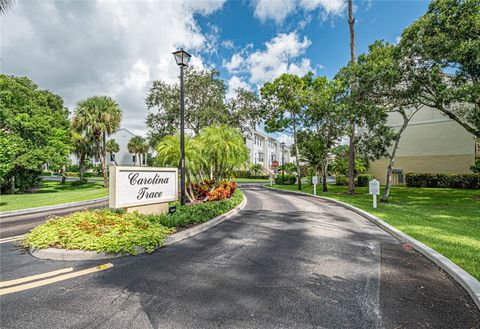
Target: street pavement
{"x":285,"y":261}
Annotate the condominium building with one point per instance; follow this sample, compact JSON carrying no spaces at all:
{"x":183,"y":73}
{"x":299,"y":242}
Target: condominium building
{"x":432,"y":143}
{"x":264,"y":150}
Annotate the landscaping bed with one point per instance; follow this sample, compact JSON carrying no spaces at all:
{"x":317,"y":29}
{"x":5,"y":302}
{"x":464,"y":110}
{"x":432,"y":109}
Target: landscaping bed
{"x":112,"y":231}
{"x":447,"y":220}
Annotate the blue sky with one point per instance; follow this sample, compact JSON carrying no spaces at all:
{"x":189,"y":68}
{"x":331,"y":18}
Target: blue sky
{"x":78,"y":49}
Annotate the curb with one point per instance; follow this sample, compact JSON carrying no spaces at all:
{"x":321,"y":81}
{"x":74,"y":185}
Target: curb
{"x":75,"y":255}
{"x":467,"y":281}
{"x":12,"y":213}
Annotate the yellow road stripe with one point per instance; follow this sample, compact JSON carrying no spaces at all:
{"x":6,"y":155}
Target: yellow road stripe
{"x":59,"y":278}
{"x":12,"y":238}
{"x":4,"y":284}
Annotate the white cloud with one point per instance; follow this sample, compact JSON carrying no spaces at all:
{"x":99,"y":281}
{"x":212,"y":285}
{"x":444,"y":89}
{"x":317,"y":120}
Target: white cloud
{"x":281,"y":55}
{"x":235,"y":63}
{"x":228,"y":44}
{"x":278,"y":10}
{"x":234,"y":83}
{"x":79,"y":49}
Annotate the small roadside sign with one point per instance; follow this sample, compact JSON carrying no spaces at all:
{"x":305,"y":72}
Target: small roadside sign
{"x":315,"y":182}
{"x":374,"y":189}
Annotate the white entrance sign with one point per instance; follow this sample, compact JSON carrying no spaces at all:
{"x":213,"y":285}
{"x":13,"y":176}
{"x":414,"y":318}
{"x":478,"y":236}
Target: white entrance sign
{"x":315,"y":182}
{"x":131,"y":187}
{"x":374,"y":188}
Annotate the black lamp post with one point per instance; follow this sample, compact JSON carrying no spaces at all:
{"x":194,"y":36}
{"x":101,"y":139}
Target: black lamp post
{"x":182,"y":58}
{"x":283,"y":159}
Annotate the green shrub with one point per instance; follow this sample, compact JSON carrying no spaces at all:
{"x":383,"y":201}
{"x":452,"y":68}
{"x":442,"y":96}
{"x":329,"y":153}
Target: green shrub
{"x":465,"y":181}
{"x":88,"y":174}
{"x":99,"y":230}
{"x":259,"y":177}
{"x":73,"y":168}
{"x":71,"y":174}
{"x":286,"y":180}
{"x":476,"y":167}
{"x":341,"y":180}
{"x":79,"y":182}
{"x":197,"y":213}
{"x":362,"y":180}
{"x":46,"y":173}
{"x":241,"y":174}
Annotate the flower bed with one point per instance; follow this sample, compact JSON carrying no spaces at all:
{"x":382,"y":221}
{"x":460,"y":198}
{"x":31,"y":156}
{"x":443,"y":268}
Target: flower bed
{"x":111,"y":231}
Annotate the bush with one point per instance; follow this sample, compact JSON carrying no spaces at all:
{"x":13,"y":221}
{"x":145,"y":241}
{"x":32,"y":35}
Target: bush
{"x":88,"y":174}
{"x":197,"y":213}
{"x":99,"y":230}
{"x":362,"y":180}
{"x":287,"y":180}
{"x":73,"y":168}
{"x":341,"y":180}
{"x":46,"y":173}
{"x":223,"y":191}
{"x":476,"y":167}
{"x":259,"y":177}
{"x":79,"y":182}
{"x":465,"y":181}
{"x":241,"y":174}
{"x":71,"y":174}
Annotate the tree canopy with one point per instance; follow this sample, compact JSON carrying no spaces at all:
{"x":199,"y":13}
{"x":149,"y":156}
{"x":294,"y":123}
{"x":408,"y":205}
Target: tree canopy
{"x":34,"y":130}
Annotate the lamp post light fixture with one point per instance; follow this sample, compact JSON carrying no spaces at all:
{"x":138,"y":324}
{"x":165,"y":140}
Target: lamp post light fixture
{"x":283,"y":159}
{"x":182,"y":58}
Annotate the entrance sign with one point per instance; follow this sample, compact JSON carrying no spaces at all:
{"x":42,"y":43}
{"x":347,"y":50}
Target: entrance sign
{"x":131,"y":187}
{"x":374,"y":189}
{"x":315,"y":182}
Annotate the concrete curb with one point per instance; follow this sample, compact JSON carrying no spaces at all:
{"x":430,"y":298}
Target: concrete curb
{"x":12,"y":213}
{"x":467,"y":281}
{"x":75,"y":255}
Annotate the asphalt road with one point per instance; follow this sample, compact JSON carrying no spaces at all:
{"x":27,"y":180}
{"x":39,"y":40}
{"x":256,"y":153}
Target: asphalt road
{"x":283,"y":262}
{"x":21,"y":224}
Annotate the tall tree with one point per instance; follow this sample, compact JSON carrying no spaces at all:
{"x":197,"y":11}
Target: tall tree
{"x":441,"y":50}
{"x":325,"y":120}
{"x":284,"y":102}
{"x":351,"y":159}
{"x":112,"y":148}
{"x":97,"y":117}
{"x":83,"y":148}
{"x":34,"y":130}
{"x":138,"y":146}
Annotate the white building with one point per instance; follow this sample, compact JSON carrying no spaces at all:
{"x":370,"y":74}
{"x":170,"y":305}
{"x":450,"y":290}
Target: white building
{"x":123,"y":157}
{"x":264,"y":150}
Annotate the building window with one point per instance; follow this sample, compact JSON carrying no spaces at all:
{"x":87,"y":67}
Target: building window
{"x":273,"y":157}
{"x":260,"y":157}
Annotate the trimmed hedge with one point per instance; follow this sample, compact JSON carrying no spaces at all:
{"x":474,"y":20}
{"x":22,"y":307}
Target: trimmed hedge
{"x":341,"y":180}
{"x":287,"y":180}
{"x":46,"y":173}
{"x":362,"y":180}
{"x":248,"y":174}
{"x":464,"y":181}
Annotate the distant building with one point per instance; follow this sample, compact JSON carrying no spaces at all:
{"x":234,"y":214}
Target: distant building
{"x":123,"y":157}
{"x":264,"y":150}
{"x":432,"y":143}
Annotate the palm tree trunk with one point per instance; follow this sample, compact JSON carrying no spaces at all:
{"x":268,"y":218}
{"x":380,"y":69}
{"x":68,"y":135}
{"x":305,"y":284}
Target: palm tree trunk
{"x":82,"y":165}
{"x":103,"y":160}
{"x":324,"y":172}
{"x":351,"y":154}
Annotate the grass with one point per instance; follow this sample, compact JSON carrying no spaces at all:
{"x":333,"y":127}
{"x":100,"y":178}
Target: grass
{"x":106,"y":230}
{"x":52,"y":193}
{"x":447,"y":220}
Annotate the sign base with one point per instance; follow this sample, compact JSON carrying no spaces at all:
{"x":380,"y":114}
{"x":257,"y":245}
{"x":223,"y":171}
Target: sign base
{"x":149,"y":209}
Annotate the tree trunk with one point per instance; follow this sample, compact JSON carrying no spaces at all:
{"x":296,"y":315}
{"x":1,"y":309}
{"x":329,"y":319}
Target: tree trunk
{"x":82,"y":165}
{"x":388,"y":183}
{"x":351,"y":154}
{"x":324,"y":174}
{"x":297,"y":160}
{"x":103,"y":160}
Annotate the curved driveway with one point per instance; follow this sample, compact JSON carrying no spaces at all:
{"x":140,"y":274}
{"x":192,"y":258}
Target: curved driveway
{"x":283,"y":262}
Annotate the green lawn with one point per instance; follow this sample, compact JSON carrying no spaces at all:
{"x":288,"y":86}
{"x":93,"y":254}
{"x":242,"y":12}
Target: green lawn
{"x":52,"y":193}
{"x":447,"y":220}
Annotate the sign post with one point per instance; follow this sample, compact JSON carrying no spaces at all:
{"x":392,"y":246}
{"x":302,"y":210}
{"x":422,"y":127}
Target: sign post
{"x":374,"y":189}
{"x":144,"y":189}
{"x":315,"y":182}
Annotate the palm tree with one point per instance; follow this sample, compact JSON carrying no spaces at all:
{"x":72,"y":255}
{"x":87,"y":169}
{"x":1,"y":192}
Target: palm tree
{"x":83,"y":149}
{"x":138,"y":146}
{"x":97,"y":117}
{"x":112,"y":148}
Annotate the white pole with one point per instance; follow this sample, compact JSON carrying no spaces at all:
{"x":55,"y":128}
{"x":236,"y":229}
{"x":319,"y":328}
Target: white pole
{"x":374,"y":201}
